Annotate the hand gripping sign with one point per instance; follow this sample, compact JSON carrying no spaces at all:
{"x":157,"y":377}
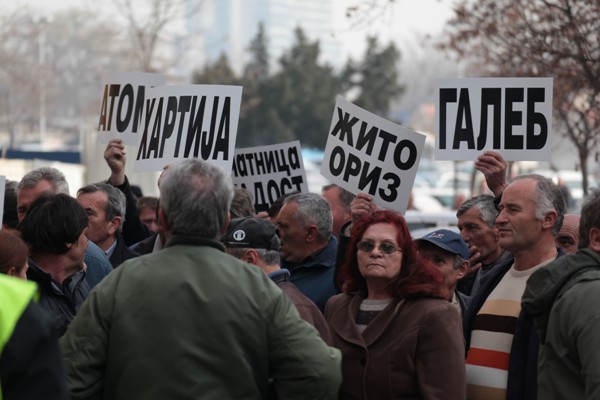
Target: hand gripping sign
{"x":121,"y":112}
{"x":512,"y":116}
{"x":189,"y":121}
{"x":366,"y":153}
{"x":269,"y":172}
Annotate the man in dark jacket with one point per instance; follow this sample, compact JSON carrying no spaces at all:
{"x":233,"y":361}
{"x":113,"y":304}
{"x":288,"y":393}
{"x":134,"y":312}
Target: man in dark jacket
{"x":52,"y":181}
{"x":308,"y":248}
{"x":564,"y":299}
{"x":255,"y":241}
{"x":54,"y":229}
{"x":501,"y":341}
{"x":105,"y":207}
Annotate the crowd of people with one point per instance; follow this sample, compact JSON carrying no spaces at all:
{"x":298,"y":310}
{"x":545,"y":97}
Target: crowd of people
{"x":112,"y":295}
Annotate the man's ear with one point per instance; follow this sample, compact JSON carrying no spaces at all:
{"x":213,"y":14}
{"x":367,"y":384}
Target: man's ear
{"x":162,"y":220}
{"x":462,"y":270}
{"x":549,"y":219}
{"x":312,"y":233}
{"x":250,"y":256}
{"x":114,"y":225}
{"x":594,"y":238}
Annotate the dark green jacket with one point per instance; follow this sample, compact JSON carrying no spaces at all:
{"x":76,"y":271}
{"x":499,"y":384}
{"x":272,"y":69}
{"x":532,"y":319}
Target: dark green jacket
{"x":192,"y":322}
{"x":564,"y":299}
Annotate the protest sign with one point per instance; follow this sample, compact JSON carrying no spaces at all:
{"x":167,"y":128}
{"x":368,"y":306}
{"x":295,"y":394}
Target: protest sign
{"x":121,"y":112}
{"x":367,"y":153}
{"x":269,"y":172}
{"x":512,"y":116}
{"x":190,"y":121}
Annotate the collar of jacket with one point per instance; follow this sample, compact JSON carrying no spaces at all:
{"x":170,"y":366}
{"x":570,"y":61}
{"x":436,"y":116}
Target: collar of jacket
{"x":194,"y":241}
{"x":36,"y":274}
{"x":344,"y":322}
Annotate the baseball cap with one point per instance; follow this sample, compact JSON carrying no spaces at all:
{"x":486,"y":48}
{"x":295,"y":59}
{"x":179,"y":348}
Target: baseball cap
{"x":248,"y":232}
{"x":449,"y":241}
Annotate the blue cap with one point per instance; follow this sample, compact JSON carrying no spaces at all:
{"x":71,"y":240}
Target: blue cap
{"x":449,"y":241}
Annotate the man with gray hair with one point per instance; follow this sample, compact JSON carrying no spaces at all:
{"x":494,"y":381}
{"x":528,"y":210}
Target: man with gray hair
{"x":52,"y":181}
{"x":308,"y":249}
{"x":105,"y":207}
{"x":563,"y":298}
{"x":501,"y":341}
{"x":477,"y":225}
{"x":191,"y":321}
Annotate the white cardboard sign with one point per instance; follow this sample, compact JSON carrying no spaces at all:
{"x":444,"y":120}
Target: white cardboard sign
{"x":121,"y":112}
{"x":367,"y":153}
{"x":512,"y":116}
{"x":269,"y":172}
{"x":190,"y":121}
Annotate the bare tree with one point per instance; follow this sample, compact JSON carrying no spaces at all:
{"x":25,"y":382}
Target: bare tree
{"x":147,"y":23}
{"x":557,"y":38}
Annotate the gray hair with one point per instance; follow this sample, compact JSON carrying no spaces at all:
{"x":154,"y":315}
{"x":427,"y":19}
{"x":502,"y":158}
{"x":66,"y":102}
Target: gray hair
{"x":458,"y":262}
{"x":313,"y":210}
{"x":52,"y":175}
{"x":486,"y":206}
{"x":548,"y":198}
{"x":195,"y":197}
{"x":590,"y":217}
{"x":115,"y":199}
{"x":345,"y":197}
{"x":269,"y":257}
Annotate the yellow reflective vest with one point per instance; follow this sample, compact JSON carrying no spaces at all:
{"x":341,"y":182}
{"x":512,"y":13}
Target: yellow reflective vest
{"x":15,"y":295}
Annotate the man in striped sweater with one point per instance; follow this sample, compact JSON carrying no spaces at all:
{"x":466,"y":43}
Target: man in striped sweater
{"x":502,"y":343}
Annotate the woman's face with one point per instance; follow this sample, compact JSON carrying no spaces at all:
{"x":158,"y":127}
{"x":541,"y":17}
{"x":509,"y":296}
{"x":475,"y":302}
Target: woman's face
{"x":376,"y":264}
{"x":23,"y":272}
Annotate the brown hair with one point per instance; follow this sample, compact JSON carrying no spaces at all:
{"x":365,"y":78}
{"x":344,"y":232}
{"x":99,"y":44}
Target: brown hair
{"x":13,"y":251}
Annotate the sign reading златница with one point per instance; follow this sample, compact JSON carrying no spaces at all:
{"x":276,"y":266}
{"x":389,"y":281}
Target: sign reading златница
{"x":269,"y":172}
{"x":189,"y":121}
{"x":512,"y":116}
{"x":367,"y":153}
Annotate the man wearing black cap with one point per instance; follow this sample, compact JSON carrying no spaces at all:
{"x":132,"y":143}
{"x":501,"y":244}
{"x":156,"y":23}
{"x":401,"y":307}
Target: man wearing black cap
{"x":255,"y":241}
{"x":449,"y":252}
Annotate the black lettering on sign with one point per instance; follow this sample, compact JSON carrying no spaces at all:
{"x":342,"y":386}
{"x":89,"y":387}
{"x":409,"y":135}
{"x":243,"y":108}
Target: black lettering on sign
{"x":463,"y":132}
{"x":155,"y":138}
{"x":195,"y":128}
{"x":126,"y":95}
{"x":344,"y":126}
{"x":143,"y":145}
{"x":405,"y":146}
{"x":366,"y":138}
{"x":512,"y":118}
{"x":490,"y":97}
{"x":391,"y":194}
{"x":534,"y":142}
{"x":446,"y":96}
{"x":183,"y":108}
{"x":369,"y":178}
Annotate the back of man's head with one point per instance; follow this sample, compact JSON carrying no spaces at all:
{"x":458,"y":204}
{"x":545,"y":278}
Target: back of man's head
{"x":252,"y":233}
{"x":52,"y":222}
{"x":313,"y":210}
{"x":195,"y":197}
{"x":590,"y":217}
{"x":52,"y":175}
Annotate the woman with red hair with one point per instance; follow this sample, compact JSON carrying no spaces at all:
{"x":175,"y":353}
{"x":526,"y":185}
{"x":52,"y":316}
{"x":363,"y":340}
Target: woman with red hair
{"x":13,"y":254}
{"x":399,"y":336}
